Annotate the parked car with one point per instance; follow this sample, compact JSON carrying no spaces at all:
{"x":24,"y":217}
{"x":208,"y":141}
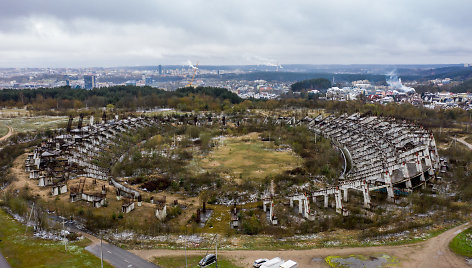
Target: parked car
{"x":259,"y":262}
{"x":207,"y":260}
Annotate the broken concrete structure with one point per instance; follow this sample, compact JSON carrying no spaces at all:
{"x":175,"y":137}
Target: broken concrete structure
{"x":161,"y":211}
{"x":383,"y":153}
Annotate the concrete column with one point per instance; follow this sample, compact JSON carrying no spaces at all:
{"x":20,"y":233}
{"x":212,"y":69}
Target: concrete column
{"x":365,"y":191}
{"x":427,"y":157}
{"x":419,"y":167}
{"x":406,"y":174}
{"x":388,"y":182}
{"x":326,"y":200}
{"x":265,"y":208}
{"x":345,"y":195}
{"x":291,"y":202}
{"x":314,"y":199}
{"x":306,"y":208}
{"x":408,"y":185}
{"x":339,"y":204}
{"x":390,"y":193}
{"x":300,"y":206}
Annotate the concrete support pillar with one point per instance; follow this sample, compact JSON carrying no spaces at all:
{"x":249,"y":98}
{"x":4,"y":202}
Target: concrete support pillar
{"x":419,"y":167}
{"x":345,"y":194}
{"x":406,"y":174}
{"x":338,"y":199}
{"x":314,"y":199}
{"x":265,"y":208}
{"x":427,"y":157}
{"x":326,"y":200}
{"x":409,"y":185}
{"x":388,"y":182}
{"x":390,"y":193}
{"x":291,"y":202}
{"x":305,"y":207}
{"x":300,"y":206}
{"x":365,"y":191}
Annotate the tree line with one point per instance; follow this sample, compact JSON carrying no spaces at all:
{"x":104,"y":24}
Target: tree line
{"x":131,"y":97}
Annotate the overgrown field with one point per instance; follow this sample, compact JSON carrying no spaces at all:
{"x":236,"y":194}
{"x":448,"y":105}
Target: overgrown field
{"x":247,"y":157}
{"x":41,"y":123}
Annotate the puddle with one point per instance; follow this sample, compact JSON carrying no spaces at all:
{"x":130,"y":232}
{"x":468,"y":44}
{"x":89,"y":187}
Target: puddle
{"x":354,"y":261}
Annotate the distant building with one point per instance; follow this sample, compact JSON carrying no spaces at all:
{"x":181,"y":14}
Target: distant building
{"x":130,"y":83}
{"x":89,"y":81}
{"x":148,"y":81}
{"x":160,"y":69}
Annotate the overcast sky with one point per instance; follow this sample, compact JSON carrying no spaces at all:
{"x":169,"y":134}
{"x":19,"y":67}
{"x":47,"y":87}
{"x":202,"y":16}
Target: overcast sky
{"x":83,"y":33}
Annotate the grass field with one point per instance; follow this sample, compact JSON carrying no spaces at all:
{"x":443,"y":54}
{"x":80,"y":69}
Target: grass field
{"x":462,"y":243}
{"x":26,"y":124}
{"x":22,"y":250}
{"x":248,"y":157}
{"x":3,"y":130}
{"x":14,"y":112}
{"x":192,"y":261}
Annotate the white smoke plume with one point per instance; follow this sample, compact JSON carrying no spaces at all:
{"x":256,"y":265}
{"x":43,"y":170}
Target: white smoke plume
{"x":262,"y":61}
{"x":395,"y":83}
{"x":189,"y":63}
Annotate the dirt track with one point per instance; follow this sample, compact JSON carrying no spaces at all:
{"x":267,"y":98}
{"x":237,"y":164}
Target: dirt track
{"x":431,"y":253}
{"x":10,"y":132}
{"x":462,"y":140}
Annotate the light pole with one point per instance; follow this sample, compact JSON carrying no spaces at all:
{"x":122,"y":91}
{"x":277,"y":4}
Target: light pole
{"x":101,"y":251}
{"x":185,"y":246}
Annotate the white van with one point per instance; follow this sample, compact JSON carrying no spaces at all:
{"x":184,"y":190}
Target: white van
{"x":289,"y":264}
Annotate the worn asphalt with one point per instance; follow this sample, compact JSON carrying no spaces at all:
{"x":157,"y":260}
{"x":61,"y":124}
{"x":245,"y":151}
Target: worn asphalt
{"x":119,"y":257}
{"x":3,"y":262}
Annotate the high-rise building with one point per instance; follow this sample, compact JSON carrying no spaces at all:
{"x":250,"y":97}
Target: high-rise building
{"x":89,"y":81}
{"x":160,"y":69}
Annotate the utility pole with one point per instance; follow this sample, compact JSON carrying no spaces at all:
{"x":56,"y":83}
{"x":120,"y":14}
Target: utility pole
{"x":185,"y":246}
{"x":101,"y":251}
{"x":64,"y":234}
{"x":216,"y":251}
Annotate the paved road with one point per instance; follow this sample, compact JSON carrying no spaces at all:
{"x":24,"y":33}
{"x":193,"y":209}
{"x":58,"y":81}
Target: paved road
{"x":114,"y":255}
{"x":3,"y":262}
{"x":118,"y":257}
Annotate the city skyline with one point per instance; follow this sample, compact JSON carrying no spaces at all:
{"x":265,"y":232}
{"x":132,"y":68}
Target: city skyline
{"x":86,"y":33}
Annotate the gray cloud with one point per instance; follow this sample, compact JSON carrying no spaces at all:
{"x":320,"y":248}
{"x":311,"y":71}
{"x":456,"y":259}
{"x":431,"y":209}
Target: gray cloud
{"x":107,"y":33}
